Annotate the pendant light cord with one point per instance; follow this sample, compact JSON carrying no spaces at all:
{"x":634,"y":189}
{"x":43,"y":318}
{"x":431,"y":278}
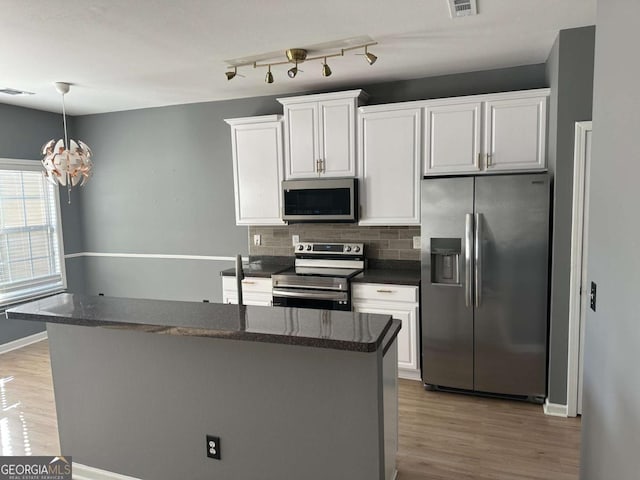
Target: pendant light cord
{"x":66,"y":147}
{"x":64,"y":121}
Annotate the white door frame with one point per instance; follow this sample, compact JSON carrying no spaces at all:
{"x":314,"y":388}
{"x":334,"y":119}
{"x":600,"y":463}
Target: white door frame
{"x":578,"y":281}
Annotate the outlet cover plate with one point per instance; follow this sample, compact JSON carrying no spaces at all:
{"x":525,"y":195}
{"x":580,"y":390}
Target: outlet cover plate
{"x":295,"y":239}
{"x":257,"y":239}
{"x":417,"y":242}
{"x":213,"y":447}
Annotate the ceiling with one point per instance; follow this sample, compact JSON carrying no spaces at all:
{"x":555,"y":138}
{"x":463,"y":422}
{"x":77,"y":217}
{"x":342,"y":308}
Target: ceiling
{"x":130,"y":54}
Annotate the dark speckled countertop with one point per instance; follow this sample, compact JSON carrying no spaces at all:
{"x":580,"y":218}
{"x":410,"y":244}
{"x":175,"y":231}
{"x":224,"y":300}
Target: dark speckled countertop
{"x":390,"y":277}
{"x":262,"y":267}
{"x":294,"y":326}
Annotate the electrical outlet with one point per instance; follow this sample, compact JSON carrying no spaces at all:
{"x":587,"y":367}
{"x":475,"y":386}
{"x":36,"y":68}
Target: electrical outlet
{"x":257,"y":239}
{"x":213,"y":447}
{"x":417,"y":242}
{"x":295,"y":239}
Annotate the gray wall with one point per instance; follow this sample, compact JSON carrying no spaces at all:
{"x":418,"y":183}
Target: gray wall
{"x":611,"y":409}
{"x":163,"y":184}
{"x":570,"y":75}
{"x":22,"y":132}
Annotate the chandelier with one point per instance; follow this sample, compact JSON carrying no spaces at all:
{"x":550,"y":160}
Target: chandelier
{"x":66,"y":162}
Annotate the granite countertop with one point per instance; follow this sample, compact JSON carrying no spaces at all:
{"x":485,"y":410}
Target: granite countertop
{"x":389,"y":276}
{"x":260,"y":268}
{"x":338,"y":330}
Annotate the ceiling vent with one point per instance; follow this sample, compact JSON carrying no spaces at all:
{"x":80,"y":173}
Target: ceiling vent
{"x":462,"y":8}
{"x":13,"y":91}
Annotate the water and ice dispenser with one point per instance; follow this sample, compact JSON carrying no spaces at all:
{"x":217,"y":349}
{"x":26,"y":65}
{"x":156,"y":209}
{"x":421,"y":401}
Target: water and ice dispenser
{"x":445,"y":261}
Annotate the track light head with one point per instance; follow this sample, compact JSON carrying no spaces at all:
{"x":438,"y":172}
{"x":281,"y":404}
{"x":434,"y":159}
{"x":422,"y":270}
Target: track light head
{"x":231,"y":75}
{"x":370,"y":57}
{"x":293,"y":71}
{"x":269,"y":77}
{"x":326,"y":71}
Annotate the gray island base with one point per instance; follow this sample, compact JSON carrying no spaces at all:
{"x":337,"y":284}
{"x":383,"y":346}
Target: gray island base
{"x":291,"y":393}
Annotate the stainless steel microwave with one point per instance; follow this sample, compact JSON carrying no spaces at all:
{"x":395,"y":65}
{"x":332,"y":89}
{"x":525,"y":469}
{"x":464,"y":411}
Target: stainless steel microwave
{"x":320,"y":200}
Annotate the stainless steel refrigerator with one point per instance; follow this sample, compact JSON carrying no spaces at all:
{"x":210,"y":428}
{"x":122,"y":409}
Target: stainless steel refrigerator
{"x":485,"y":283}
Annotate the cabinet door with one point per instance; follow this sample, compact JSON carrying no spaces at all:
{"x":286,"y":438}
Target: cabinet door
{"x":515,"y":132}
{"x":407,"y":337}
{"x":301,"y":140}
{"x":337,"y":137}
{"x":390,"y":167}
{"x":257,"y":169}
{"x":452,"y":138}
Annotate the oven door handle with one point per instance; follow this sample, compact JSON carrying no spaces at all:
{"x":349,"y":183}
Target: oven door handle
{"x":311,"y":294}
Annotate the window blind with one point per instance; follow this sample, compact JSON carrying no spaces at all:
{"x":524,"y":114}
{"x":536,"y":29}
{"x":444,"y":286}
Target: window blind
{"x":31,"y":261}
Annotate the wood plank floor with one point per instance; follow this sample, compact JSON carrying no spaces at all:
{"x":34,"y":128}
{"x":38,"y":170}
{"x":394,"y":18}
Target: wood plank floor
{"x":442,"y":435}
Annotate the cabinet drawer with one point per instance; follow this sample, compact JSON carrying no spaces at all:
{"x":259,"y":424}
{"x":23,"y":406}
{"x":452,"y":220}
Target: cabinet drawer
{"x":249,"y":284}
{"x":385,"y":293}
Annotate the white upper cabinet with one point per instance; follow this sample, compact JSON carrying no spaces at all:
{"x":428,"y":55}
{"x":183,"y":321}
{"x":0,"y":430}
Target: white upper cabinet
{"x":515,"y":131}
{"x":389,"y":150}
{"x":452,"y":138}
{"x":257,"y":169}
{"x":320,"y":134}
{"x":486,"y":133}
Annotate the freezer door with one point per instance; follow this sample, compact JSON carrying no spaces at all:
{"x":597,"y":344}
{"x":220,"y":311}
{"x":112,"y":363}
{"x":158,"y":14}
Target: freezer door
{"x":512,"y":217}
{"x":447,"y":303}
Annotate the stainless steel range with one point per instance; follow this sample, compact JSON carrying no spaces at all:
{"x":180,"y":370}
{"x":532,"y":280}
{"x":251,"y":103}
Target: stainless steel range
{"x":320,"y":277}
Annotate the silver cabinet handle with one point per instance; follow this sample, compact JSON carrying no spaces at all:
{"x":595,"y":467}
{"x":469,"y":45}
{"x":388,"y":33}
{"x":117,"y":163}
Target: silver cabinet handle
{"x":383,"y":290}
{"x":468,"y":243}
{"x":248,"y":282}
{"x":489,"y":159}
{"x":478,"y":259}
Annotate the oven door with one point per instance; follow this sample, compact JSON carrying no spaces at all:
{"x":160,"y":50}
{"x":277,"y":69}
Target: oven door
{"x":305,"y":298}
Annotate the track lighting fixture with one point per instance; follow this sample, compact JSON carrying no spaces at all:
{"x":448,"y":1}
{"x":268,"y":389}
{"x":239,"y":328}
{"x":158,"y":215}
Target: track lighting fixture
{"x":269,"y":76}
{"x":231,"y":75}
{"x":326,"y":71}
{"x":371,"y":58}
{"x":298,"y":56}
{"x":293,"y":71}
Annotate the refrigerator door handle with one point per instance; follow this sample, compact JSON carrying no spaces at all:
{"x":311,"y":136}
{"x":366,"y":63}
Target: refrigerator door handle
{"x":468,"y":239}
{"x":478,"y":259}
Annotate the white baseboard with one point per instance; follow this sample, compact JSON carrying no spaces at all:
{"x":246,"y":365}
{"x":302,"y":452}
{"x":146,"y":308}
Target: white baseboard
{"x":84,"y":472}
{"x":23,"y":342}
{"x":409,"y":374}
{"x":555,"y":409}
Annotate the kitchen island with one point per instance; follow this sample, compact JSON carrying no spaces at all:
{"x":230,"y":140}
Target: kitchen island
{"x":291,"y":393}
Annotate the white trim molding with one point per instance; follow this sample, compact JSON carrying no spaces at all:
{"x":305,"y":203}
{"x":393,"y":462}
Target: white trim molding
{"x":578,"y":274}
{"x":84,"y":472}
{"x":154,"y":255}
{"x":554,"y":409}
{"x":22,"y":342}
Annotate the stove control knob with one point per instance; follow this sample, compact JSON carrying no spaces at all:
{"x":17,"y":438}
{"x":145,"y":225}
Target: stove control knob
{"x":300,"y":247}
{"x":356,"y":249}
{"x":308,"y":247}
{"x":347,"y":248}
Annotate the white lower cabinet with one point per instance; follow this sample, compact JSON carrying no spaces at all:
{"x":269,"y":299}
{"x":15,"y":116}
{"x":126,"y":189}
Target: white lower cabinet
{"x":255,"y":291}
{"x":401,"y":302}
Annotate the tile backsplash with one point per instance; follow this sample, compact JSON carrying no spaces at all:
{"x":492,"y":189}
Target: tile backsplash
{"x":389,"y":243}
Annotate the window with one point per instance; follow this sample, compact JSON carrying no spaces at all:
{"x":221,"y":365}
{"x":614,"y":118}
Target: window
{"x":31,"y":257}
